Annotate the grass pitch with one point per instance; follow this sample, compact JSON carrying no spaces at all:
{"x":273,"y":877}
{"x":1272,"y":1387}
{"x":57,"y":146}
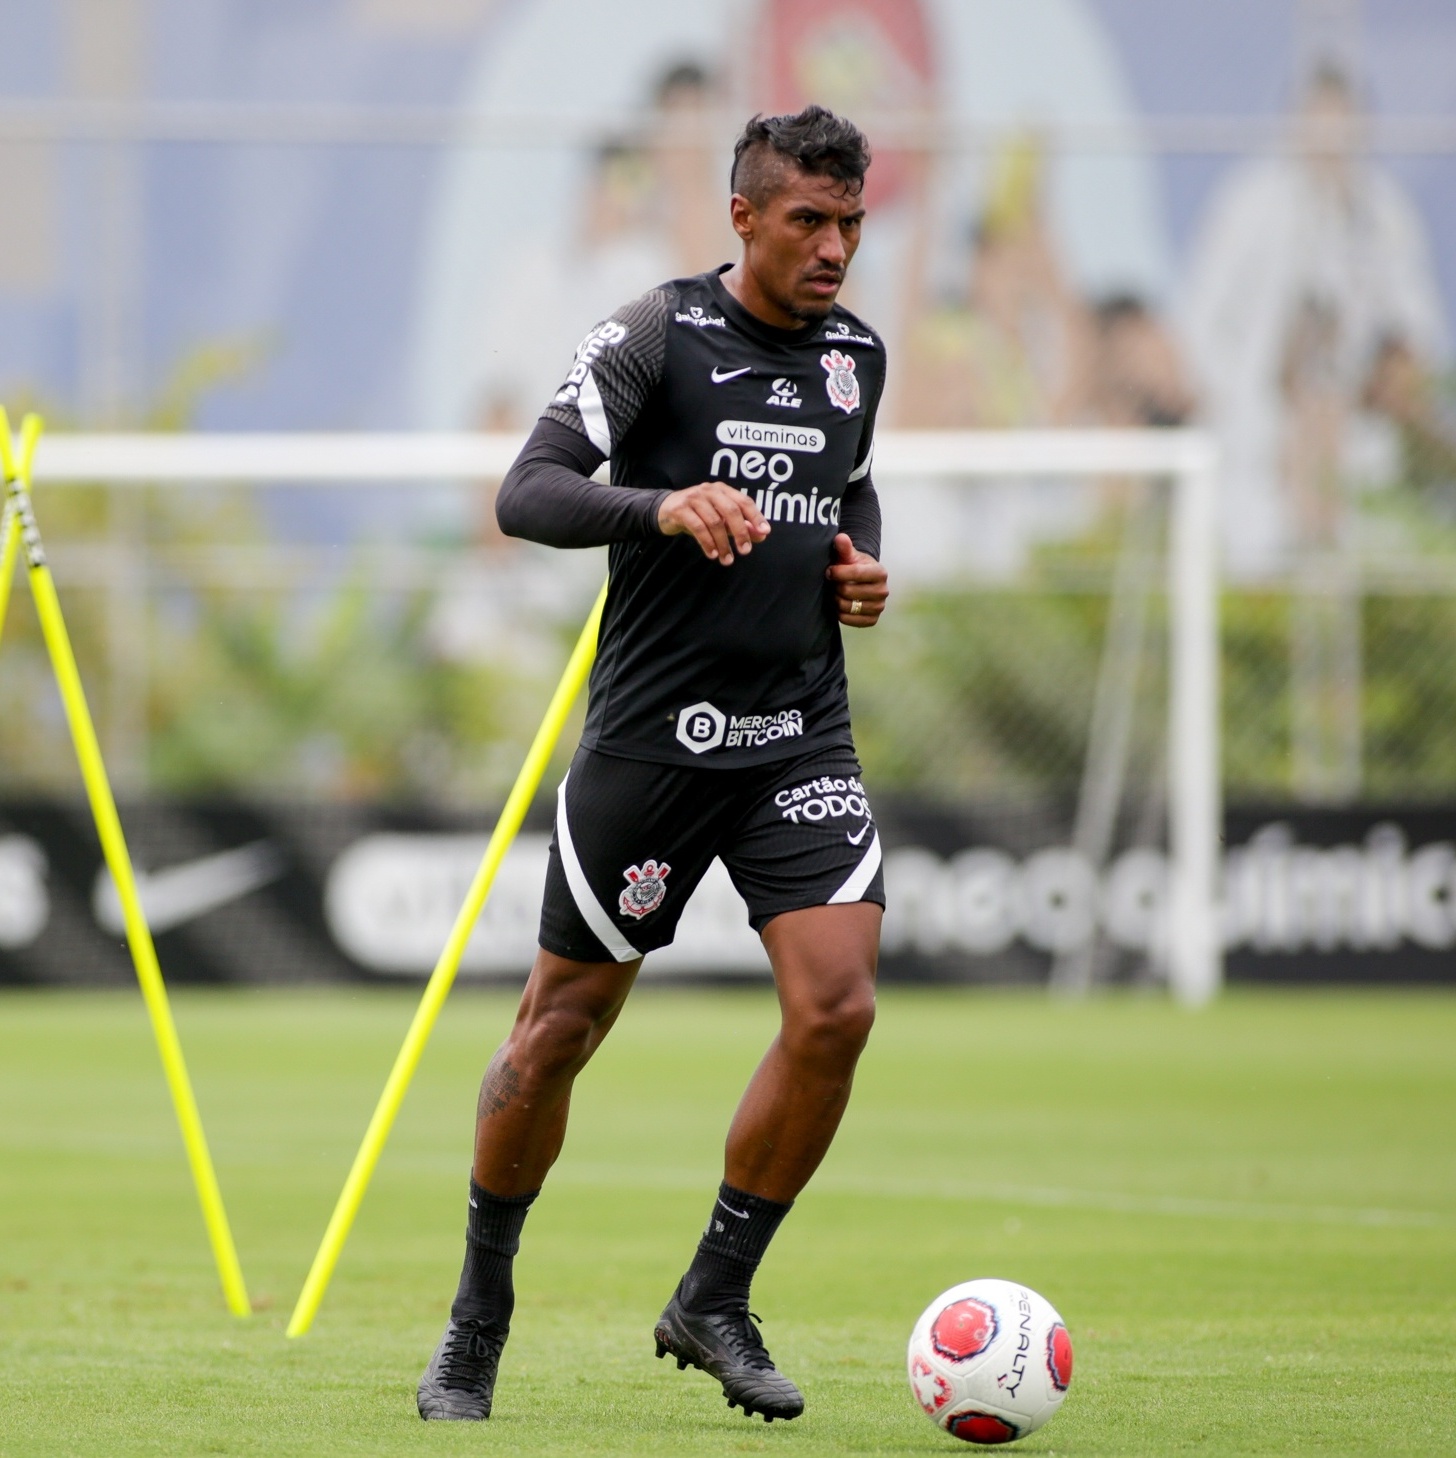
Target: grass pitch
{"x":1246,"y":1216}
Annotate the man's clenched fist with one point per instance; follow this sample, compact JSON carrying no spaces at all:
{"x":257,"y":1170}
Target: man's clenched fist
{"x":861,"y":585}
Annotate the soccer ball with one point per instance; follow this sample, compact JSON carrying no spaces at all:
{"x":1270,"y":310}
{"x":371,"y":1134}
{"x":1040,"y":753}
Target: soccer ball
{"x":990,"y":1361}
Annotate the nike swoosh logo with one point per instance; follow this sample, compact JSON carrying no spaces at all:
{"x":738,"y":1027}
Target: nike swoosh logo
{"x":855,"y":839}
{"x":182,"y":893}
{"x":720,"y":375}
{"x":741,"y":1214}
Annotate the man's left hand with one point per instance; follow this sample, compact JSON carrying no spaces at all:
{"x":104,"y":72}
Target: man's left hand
{"x":861,"y":585}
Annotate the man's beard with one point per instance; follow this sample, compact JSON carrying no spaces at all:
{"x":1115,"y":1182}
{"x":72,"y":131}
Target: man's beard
{"x":814,"y":313}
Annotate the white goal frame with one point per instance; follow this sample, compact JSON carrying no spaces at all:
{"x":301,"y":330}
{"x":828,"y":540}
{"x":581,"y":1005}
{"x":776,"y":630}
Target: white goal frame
{"x":1184,"y":458}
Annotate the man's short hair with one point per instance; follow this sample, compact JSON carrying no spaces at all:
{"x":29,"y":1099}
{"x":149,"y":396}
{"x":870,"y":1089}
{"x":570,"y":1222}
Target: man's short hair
{"x":815,"y":140}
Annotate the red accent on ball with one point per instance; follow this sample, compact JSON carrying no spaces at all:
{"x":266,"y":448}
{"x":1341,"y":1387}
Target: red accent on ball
{"x":981,"y":1427}
{"x":940,"y":1388}
{"x":1059,"y":1357}
{"x":964,"y":1329}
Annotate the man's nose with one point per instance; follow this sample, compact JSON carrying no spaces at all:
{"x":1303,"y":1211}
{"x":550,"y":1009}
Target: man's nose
{"x":831,"y":246}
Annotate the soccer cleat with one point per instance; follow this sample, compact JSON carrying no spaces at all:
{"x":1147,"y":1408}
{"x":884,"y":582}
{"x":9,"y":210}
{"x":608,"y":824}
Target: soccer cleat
{"x":460,"y":1380}
{"x":729,"y":1348}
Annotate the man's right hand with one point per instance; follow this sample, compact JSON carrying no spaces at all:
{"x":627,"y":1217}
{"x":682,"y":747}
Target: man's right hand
{"x":719,"y":517}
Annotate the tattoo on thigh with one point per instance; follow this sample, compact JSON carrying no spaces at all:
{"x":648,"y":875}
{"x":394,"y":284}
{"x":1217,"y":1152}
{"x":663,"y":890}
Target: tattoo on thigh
{"x":500,"y":1085}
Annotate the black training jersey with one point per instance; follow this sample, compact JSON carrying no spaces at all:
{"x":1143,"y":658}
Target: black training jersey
{"x":699,"y":663}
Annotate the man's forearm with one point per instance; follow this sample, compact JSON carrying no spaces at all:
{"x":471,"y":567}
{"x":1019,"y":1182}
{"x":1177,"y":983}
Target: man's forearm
{"x":548,"y":495}
{"x":859,"y":517}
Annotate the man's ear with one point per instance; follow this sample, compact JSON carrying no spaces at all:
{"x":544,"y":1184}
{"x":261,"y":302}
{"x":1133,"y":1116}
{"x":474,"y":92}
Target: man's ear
{"x":744,"y":216}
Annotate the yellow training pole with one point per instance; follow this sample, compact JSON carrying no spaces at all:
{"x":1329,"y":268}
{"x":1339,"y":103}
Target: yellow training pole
{"x":113,"y":847}
{"x":443,"y":977}
{"x":9,"y":519}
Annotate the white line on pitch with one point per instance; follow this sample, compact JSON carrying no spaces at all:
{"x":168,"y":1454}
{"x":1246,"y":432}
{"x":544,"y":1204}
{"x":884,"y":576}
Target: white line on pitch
{"x":1049,"y":1197}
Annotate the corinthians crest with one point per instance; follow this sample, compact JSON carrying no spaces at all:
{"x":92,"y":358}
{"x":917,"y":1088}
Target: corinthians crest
{"x":645,"y":888}
{"x":842,"y":385}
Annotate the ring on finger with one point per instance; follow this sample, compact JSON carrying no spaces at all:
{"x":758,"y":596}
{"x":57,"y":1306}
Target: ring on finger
{"x":854,"y":608}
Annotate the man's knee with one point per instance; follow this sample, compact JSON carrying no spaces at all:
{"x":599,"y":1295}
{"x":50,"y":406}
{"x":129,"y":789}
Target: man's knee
{"x":832,"y":1029}
{"x":562,"y":1020}
{"x":550,"y":1041}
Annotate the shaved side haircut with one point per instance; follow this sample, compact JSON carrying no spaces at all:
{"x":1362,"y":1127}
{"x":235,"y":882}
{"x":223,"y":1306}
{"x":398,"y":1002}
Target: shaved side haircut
{"x":815,"y":141}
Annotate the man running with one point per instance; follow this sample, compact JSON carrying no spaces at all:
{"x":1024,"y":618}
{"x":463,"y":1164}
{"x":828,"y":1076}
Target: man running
{"x":737,"y":410}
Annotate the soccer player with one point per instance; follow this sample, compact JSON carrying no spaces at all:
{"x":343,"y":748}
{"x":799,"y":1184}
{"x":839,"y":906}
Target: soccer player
{"x":737,"y":410}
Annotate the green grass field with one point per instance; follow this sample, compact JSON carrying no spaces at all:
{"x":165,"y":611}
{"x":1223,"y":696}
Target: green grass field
{"x":1246,"y":1216}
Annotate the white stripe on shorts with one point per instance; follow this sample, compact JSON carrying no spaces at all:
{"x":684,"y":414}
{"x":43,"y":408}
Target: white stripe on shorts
{"x":581,"y":892}
{"x":859,"y":878}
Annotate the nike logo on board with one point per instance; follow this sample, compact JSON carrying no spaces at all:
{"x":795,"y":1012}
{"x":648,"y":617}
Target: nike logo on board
{"x":182,"y":893}
{"x":719,"y":376}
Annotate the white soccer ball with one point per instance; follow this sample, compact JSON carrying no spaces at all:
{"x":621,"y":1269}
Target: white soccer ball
{"x":990,"y":1361}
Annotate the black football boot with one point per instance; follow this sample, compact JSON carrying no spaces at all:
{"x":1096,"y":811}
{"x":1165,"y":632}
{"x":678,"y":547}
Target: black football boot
{"x":728,"y":1347}
{"x":460,"y":1380}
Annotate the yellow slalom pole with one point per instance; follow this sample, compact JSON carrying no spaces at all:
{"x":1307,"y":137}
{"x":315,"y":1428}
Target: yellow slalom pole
{"x":9,"y":520}
{"x":118,"y":861}
{"x":443,"y":977}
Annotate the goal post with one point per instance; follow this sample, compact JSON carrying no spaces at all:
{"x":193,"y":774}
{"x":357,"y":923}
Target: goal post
{"x":1184,"y":459}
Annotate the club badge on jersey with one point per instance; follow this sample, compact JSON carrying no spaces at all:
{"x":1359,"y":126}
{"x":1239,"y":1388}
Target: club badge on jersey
{"x":645,"y":889}
{"x":842,"y":384}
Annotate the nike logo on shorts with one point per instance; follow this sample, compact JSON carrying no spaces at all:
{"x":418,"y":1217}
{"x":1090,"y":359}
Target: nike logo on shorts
{"x":719,"y":376}
{"x":741,"y":1214}
{"x":855,"y":839}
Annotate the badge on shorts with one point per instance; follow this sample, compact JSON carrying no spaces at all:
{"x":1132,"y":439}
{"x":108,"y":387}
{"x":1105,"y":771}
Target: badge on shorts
{"x":842,"y":384}
{"x":645,"y":888}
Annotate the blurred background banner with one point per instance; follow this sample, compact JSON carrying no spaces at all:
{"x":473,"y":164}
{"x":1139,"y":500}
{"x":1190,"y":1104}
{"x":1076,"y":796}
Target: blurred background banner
{"x":403,"y":215}
{"x":273,"y":894}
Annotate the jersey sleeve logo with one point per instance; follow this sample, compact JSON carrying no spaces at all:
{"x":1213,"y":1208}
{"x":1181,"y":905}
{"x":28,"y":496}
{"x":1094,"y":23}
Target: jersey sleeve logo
{"x":602,"y":337}
{"x":842,"y":383}
{"x":645,"y":890}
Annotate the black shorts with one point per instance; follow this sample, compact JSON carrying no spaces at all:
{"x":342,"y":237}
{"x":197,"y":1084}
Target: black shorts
{"x":633,"y":840}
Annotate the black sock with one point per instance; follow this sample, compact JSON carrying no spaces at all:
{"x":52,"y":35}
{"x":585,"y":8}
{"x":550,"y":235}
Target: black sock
{"x":738,"y":1233}
{"x":492,"y":1238}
